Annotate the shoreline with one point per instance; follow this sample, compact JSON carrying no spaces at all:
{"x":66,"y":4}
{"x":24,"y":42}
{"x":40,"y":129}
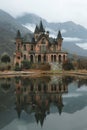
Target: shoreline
{"x":79,"y":73}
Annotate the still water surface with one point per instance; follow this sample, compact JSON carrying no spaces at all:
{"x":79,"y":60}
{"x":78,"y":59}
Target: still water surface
{"x":44,"y":103}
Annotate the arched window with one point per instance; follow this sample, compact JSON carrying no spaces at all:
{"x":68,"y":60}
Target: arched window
{"x":63,"y":58}
{"x":59,"y":58}
{"x":44,"y":58}
{"x":39,"y":58}
{"x":54,"y":58}
{"x":51,"y":58}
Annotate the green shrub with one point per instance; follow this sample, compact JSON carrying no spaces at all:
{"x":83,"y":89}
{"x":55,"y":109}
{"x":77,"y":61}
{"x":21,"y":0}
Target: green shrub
{"x":67,"y":65}
{"x":5,"y":58}
{"x":26,"y":64}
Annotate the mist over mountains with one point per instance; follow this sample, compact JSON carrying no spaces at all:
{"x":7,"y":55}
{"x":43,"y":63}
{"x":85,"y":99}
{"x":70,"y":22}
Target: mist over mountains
{"x":75,"y":36}
{"x":69,"y":29}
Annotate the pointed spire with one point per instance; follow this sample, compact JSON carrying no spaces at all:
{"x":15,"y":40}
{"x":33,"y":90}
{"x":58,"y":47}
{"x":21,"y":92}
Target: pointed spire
{"x":41,"y":27}
{"x":60,"y":107}
{"x":59,"y":36}
{"x":37,"y":117}
{"x":42,"y":117}
{"x":18,"y":34}
{"x":18,"y":109}
{"x":36,"y":29}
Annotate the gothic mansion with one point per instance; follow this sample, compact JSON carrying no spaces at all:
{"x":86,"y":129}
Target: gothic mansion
{"x":38,"y":47}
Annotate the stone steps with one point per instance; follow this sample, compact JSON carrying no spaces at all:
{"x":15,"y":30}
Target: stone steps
{"x":56,"y":66}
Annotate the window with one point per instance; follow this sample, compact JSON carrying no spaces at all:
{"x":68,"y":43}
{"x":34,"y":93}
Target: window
{"x":31,"y":58}
{"x":59,"y":58}
{"x":18,"y":57}
{"x":43,"y":48}
{"x":51,"y":58}
{"x":25,"y":47}
{"x":24,"y":57}
{"x":32,"y":48}
{"x":18,"y":47}
{"x":54,"y":58}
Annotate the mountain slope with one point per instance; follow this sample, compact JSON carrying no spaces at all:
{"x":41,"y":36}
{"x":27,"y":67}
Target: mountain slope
{"x":8,"y":29}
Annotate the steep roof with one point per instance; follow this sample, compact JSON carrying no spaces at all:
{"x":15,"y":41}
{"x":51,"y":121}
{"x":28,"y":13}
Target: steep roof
{"x":41,"y":28}
{"x":18,"y":34}
{"x":59,"y":36}
{"x":36,"y":29}
{"x":52,"y":40}
{"x":29,"y":37}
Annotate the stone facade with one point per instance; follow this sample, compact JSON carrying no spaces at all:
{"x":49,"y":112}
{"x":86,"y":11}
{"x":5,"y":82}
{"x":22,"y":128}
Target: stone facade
{"x":39,"y":47}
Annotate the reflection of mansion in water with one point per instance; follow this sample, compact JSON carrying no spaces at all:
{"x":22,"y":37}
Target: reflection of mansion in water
{"x":38,"y":47}
{"x":38,"y":94}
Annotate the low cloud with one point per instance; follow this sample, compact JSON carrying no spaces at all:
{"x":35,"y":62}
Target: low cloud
{"x":71,"y":39}
{"x":82,"y":45}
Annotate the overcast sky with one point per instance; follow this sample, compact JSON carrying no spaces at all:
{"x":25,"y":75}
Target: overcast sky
{"x":51,"y":10}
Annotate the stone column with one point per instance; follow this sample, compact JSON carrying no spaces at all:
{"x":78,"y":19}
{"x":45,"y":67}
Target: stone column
{"x":61,"y":58}
{"x":65,"y":57}
{"x":42,"y":58}
{"x":33,"y":58}
{"x":46,"y":58}
{"x":36,"y":58}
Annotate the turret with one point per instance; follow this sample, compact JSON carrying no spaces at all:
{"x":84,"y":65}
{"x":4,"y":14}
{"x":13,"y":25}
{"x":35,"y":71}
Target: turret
{"x":18,"y":41}
{"x":18,"y":36}
{"x":36,"y":32}
{"x":18,"y":53}
{"x":59,"y":40}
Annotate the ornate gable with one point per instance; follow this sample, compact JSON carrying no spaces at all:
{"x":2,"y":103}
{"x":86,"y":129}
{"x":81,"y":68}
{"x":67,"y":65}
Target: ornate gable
{"x":42,"y":43}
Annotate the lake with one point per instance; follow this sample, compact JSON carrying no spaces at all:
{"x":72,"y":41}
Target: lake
{"x":43,"y":103}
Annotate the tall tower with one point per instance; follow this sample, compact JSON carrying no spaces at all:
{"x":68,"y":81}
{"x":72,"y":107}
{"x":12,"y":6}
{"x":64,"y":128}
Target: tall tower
{"x":18,"y":53}
{"x":36,"y":32}
{"x":59,"y":40}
